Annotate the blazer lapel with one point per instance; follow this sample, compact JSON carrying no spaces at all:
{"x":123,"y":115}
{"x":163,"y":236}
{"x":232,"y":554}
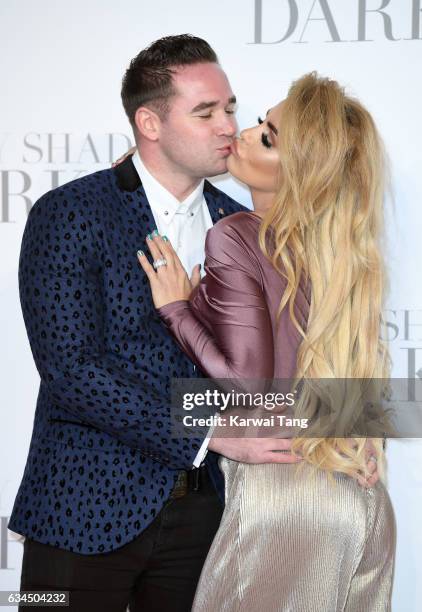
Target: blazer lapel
{"x":212,"y":199}
{"x":130,"y":185}
{"x":127,"y":176}
{"x":133,"y":193}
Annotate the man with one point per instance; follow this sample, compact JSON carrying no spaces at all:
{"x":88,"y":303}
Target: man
{"x":110,"y":504}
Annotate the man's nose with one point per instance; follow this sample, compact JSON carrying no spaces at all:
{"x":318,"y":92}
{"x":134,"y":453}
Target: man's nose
{"x":228,"y":126}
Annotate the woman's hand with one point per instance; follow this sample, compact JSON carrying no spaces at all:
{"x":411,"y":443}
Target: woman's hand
{"x":123,"y":157}
{"x":371,"y":463}
{"x":169,"y":282}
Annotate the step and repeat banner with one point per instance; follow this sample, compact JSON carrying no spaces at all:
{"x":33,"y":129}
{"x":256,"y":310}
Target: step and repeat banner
{"x":61,"y":118}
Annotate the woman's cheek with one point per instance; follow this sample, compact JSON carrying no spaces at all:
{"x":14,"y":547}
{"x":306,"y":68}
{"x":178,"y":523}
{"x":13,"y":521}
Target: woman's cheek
{"x":265,"y":170}
{"x":270,"y":169}
{"x":236,"y":167}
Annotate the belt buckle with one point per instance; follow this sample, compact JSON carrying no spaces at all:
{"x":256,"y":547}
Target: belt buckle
{"x":181,"y":486}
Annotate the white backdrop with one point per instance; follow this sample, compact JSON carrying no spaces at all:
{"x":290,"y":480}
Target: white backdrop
{"x":61,"y":116}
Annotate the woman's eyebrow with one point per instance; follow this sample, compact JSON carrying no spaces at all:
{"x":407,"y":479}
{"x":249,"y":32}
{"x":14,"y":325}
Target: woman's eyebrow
{"x":272,"y":127}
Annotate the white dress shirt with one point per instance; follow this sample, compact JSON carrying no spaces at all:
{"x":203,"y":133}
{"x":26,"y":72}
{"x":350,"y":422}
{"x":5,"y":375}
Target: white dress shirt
{"x":185,"y":224}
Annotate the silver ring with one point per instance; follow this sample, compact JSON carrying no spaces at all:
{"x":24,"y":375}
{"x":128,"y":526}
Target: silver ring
{"x":159,"y":262}
{"x":373,"y":458}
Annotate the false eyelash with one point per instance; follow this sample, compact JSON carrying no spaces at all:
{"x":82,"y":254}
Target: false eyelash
{"x":264,"y":137}
{"x":265,"y":141}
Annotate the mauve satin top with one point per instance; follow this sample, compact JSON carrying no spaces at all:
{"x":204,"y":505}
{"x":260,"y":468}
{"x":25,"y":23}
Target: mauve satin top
{"x":284,"y":543}
{"x":229,"y":327}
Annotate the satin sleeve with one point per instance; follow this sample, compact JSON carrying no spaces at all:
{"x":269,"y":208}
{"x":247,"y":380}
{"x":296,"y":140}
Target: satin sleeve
{"x":225,"y":327}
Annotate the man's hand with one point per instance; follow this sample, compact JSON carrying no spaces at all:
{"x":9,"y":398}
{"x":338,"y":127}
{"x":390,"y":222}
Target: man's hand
{"x":254,"y":450}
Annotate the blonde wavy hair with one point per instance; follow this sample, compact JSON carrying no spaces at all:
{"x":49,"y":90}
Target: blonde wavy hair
{"x":326,"y":227}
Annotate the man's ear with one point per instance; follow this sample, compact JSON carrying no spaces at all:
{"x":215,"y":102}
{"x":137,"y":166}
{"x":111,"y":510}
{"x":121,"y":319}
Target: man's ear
{"x":148,"y":123}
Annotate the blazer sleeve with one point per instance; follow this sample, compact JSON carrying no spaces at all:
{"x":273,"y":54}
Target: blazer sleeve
{"x":62,"y":300}
{"x":225,"y":327}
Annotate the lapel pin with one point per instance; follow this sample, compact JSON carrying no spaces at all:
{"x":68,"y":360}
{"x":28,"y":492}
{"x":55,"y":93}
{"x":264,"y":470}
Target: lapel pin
{"x":221,"y":211}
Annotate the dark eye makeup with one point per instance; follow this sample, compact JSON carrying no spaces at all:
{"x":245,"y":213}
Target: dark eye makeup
{"x":264,"y":137}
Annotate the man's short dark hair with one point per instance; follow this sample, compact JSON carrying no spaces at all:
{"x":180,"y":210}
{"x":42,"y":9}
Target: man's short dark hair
{"x":148,"y":80}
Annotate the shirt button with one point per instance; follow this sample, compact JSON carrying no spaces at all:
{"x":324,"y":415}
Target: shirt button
{"x":191,"y":214}
{"x":166,"y":212}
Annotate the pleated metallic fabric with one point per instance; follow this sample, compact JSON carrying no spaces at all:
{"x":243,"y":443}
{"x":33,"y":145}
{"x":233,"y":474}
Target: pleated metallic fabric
{"x":294,"y":541}
{"x":287,"y":542}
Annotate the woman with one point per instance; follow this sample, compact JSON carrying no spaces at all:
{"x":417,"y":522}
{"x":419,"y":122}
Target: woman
{"x":294,"y":290}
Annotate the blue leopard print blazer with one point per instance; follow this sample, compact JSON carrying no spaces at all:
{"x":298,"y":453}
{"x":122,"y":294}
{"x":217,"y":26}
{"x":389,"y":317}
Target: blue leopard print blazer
{"x":102,"y":460}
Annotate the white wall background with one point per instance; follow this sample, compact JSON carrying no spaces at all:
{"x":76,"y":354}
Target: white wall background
{"x":61,"y":67}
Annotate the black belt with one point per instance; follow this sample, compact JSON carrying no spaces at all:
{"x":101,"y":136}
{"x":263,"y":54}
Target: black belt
{"x":189,"y":480}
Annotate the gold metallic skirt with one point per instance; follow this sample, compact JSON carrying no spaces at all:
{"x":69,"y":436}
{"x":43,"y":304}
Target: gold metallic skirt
{"x":297,"y":542}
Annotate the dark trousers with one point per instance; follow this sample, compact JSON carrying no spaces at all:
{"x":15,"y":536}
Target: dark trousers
{"x":157,"y":571}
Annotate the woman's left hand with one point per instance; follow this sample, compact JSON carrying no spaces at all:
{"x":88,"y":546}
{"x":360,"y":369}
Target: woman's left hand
{"x":169,"y":282}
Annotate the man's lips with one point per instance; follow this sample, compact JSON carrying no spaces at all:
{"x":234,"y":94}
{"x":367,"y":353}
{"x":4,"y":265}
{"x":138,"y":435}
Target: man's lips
{"x":226,"y":149}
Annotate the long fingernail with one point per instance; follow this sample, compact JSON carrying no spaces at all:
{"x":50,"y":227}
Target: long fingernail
{"x":149,"y":237}
{"x":140,"y":253}
{"x":155,"y":232}
{"x":165,"y":239}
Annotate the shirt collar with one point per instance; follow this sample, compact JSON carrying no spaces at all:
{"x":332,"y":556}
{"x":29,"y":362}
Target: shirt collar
{"x":161,"y":201}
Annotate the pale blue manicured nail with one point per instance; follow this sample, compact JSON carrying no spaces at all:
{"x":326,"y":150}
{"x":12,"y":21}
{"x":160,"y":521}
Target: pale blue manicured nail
{"x":140,"y":253}
{"x":165,"y":239}
{"x":149,"y":237}
{"x":155,"y":232}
